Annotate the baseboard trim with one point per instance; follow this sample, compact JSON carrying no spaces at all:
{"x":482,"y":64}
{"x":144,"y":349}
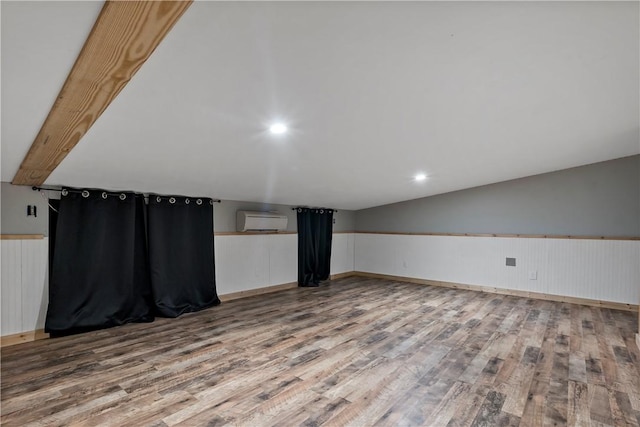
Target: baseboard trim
{"x":342,"y":275}
{"x":21,"y":236}
{"x":22,"y":337}
{"x":489,"y":289}
{"x":258,"y":291}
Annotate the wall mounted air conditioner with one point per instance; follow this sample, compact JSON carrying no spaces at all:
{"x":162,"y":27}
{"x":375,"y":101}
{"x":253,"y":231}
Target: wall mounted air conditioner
{"x":260,"y":221}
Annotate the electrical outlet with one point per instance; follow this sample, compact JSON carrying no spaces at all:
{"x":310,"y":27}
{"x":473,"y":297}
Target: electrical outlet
{"x":511,"y":262}
{"x":533,"y":275}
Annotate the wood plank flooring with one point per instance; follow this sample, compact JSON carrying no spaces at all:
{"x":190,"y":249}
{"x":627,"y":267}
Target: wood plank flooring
{"x":358,"y":352}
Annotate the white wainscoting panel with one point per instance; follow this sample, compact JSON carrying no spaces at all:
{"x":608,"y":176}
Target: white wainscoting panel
{"x":23,"y":289}
{"x":342,"y":252}
{"x":606,"y":270}
{"x":11,"y":291}
{"x":245,"y":262}
{"x":283,"y":259}
{"x":35,"y":283}
{"x":242,"y":263}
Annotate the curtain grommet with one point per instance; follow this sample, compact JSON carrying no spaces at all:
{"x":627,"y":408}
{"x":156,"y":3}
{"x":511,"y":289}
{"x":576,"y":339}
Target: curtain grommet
{"x":321,"y":211}
{"x":199,"y":202}
{"x":122,"y":196}
{"x":211,"y":202}
{"x":187,"y":201}
{"x":85,"y":193}
{"x":65,"y":192}
{"x":158,"y":199}
{"x":104,"y":194}
{"x":172,"y":200}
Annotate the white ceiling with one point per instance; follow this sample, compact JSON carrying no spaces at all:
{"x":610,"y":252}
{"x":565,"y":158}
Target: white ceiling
{"x":469,"y":93}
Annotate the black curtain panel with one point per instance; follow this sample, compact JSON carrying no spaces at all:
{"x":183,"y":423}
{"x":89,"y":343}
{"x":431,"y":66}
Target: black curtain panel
{"x":181,"y":257}
{"x":306,"y":249}
{"x":315,"y":230}
{"x":54,"y":207}
{"x":325,"y":234}
{"x":100,"y":275}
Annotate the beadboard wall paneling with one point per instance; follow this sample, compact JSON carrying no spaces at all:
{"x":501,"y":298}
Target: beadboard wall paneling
{"x":24,"y":289}
{"x":246,"y":262}
{"x":35,"y":283}
{"x":283,"y":259}
{"x":10,"y":293}
{"x":342,"y":253}
{"x":606,"y":270}
{"x":242,"y":262}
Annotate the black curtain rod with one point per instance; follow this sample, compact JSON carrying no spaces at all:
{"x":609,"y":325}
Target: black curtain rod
{"x":307,"y":207}
{"x":34,"y":188}
{"x":112,"y":193}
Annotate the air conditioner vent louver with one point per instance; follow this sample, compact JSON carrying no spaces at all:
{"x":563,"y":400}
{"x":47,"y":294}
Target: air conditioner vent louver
{"x":260,"y":221}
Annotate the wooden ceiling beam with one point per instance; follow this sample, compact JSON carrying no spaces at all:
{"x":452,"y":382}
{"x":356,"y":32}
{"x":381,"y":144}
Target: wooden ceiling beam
{"x":124,"y":36}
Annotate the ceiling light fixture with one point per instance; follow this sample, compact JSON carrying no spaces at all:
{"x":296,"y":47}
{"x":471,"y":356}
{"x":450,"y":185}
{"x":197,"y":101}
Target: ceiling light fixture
{"x":278,"y":128}
{"x":420,"y":177}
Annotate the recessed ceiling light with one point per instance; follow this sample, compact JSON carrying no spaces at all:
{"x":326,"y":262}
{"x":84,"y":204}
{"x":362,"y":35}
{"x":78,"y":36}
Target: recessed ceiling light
{"x":278,"y":128}
{"x":420,"y":177}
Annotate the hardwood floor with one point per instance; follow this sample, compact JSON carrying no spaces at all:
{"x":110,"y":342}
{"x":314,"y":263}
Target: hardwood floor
{"x":361,"y":352}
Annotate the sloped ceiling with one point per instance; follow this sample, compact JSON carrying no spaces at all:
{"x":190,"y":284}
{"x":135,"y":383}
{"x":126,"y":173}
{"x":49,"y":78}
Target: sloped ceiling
{"x":373,"y":93}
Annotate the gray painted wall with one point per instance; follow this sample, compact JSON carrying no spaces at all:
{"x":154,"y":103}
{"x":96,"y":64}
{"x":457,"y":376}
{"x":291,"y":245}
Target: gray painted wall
{"x":224,"y":215}
{"x":600,"y":199}
{"x":14,"y":200}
